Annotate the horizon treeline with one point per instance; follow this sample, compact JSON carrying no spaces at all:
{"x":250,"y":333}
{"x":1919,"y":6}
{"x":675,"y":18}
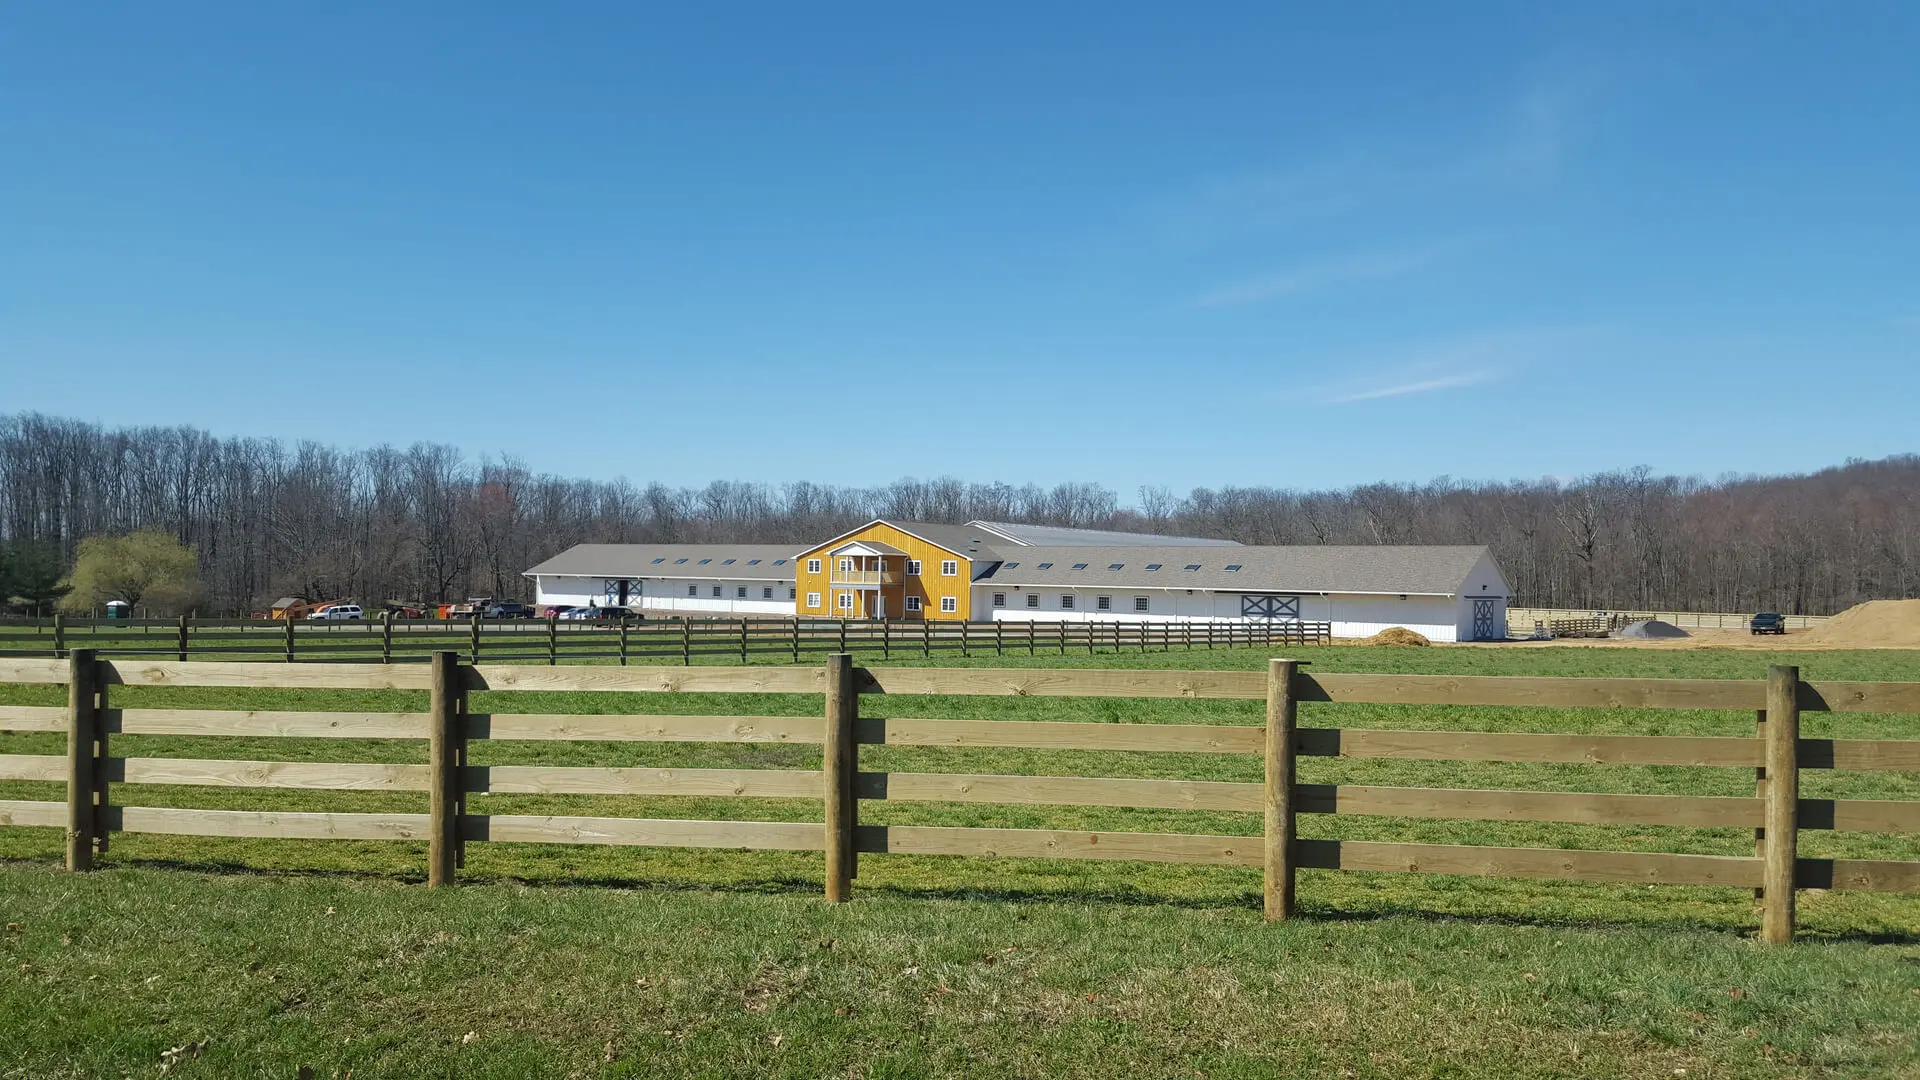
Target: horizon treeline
{"x":428,"y":523}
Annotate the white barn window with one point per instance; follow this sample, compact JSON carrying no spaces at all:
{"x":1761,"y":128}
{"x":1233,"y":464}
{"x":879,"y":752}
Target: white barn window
{"x":913,"y":603}
{"x":949,"y":603}
{"x":813,"y":599}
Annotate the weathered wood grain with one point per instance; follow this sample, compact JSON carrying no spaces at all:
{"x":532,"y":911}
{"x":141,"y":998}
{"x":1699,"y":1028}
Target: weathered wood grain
{"x":302,"y":725}
{"x":260,"y":674}
{"x":17,"y":670}
{"x":557,"y":780}
{"x":1036,"y":682}
{"x":317,"y":775}
{"x":1858,"y":875}
{"x":50,"y":767}
{"x":1567,"y":806}
{"x":644,"y":728}
{"x":32,"y":718}
{"x":50,"y":815}
{"x":1530,"y":747}
{"x":741,"y":680}
{"x":1060,"y":791}
{"x":1650,"y":868}
{"x":1528,"y":690}
{"x":1061,"y":844}
{"x":1860,"y":815}
{"x":1870,"y":697}
{"x":645,"y":832}
{"x":1056,"y":735}
{"x":266,"y":823}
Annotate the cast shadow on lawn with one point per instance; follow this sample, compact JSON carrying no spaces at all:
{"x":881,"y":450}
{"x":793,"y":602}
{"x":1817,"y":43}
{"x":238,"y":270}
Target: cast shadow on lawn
{"x":1015,"y":897}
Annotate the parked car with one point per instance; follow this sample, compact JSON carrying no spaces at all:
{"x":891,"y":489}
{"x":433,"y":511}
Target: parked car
{"x":557,"y":611}
{"x":509,"y":611}
{"x":338,"y":613}
{"x":1768,"y":622}
{"x":406,"y":611}
{"x":600,"y":614}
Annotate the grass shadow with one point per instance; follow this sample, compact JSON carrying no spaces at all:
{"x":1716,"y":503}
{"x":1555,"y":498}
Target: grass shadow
{"x":1010,"y":896}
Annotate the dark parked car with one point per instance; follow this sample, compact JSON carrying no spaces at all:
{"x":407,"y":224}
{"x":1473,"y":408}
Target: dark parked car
{"x":509,"y":611}
{"x":1768,"y":622}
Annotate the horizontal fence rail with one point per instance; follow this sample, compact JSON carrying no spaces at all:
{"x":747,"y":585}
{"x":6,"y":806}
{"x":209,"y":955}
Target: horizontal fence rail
{"x":1776,"y":812}
{"x":626,"y":639}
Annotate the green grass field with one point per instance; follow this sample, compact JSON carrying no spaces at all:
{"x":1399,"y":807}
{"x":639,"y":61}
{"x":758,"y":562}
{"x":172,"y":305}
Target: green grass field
{"x":662,"y":962}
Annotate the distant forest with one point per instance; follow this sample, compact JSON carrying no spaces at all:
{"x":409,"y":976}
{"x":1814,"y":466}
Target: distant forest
{"x":429,"y":523}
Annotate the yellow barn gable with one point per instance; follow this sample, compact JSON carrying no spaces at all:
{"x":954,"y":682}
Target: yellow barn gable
{"x":882,"y":571}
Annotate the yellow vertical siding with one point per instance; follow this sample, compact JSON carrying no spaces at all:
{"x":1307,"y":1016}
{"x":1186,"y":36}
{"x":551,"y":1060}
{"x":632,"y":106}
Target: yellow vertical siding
{"x":930,"y":586}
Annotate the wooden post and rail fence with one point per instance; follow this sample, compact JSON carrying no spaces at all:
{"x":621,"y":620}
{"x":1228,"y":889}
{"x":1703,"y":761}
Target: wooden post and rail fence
{"x":625,"y":640}
{"x":1776,"y":869}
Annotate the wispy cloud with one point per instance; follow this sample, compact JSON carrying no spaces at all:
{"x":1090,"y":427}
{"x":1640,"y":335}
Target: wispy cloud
{"x":1319,"y":274}
{"x":1457,"y":363}
{"x":1419,"y":386}
{"x":1525,"y":140}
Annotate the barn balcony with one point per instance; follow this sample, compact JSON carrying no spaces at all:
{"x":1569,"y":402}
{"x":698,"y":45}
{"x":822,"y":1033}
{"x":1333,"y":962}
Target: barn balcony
{"x":867,"y":564}
{"x":866,"y":577}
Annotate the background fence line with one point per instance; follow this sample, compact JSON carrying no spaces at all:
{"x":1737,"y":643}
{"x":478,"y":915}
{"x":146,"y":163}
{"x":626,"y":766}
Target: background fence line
{"x":1777,"y":810}
{"x":1520,"y":620}
{"x":388,"y":640}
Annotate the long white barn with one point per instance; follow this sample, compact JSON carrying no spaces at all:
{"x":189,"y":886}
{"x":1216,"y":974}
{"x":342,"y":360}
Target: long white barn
{"x":996,"y":571}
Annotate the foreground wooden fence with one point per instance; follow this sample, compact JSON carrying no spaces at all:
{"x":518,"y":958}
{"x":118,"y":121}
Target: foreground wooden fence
{"x":91,"y":773}
{"x":387,"y":640}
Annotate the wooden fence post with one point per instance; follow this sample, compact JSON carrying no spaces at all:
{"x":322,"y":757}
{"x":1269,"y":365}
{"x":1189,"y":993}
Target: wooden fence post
{"x":289,"y":620}
{"x":840,"y":765}
{"x":926,"y":635}
{"x":386,"y":636}
{"x":1783,"y":802}
{"x":843,"y":635}
{"x":553,"y":639}
{"x":86,"y":747}
{"x":623,"y":639}
{"x":473,"y":640}
{"x":743,"y":641}
{"x":1277,"y":800}
{"x":181,"y":649}
{"x":446,"y":760}
{"x":686,"y":641}
{"x":59,"y":636}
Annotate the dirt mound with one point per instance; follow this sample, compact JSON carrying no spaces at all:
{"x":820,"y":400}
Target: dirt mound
{"x":1874,"y":624}
{"x":1651,"y":628}
{"x":1397,"y":635}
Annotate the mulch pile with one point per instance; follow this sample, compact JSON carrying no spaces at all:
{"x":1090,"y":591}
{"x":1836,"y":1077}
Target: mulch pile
{"x":1397,"y":635}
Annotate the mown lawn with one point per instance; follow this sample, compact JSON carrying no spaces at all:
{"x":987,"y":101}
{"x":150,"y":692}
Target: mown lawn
{"x":956,"y":966}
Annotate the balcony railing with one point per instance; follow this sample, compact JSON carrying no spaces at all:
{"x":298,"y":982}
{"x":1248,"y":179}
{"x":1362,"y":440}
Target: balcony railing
{"x":865,"y":577}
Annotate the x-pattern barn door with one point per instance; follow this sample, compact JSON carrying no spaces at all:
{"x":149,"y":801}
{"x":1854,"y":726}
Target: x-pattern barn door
{"x":1270,"y":607}
{"x":1486,"y":616}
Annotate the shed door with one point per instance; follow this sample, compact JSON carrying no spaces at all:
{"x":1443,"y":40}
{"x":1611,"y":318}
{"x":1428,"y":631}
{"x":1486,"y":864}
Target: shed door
{"x":1486,"y":616}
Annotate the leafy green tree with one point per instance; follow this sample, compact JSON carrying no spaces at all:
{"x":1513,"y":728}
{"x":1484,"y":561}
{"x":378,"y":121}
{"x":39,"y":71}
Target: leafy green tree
{"x":147,"y":569}
{"x":29,"y":577}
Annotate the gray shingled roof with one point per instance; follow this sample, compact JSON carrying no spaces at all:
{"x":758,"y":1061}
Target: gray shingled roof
{"x":975,"y":544}
{"x":1309,"y":569}
{"x":1060,"y":536}
{"x":638,"y":561}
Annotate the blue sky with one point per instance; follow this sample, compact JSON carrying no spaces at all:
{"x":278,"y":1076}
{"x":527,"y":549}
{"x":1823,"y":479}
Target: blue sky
{"x":1146,"y":244}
